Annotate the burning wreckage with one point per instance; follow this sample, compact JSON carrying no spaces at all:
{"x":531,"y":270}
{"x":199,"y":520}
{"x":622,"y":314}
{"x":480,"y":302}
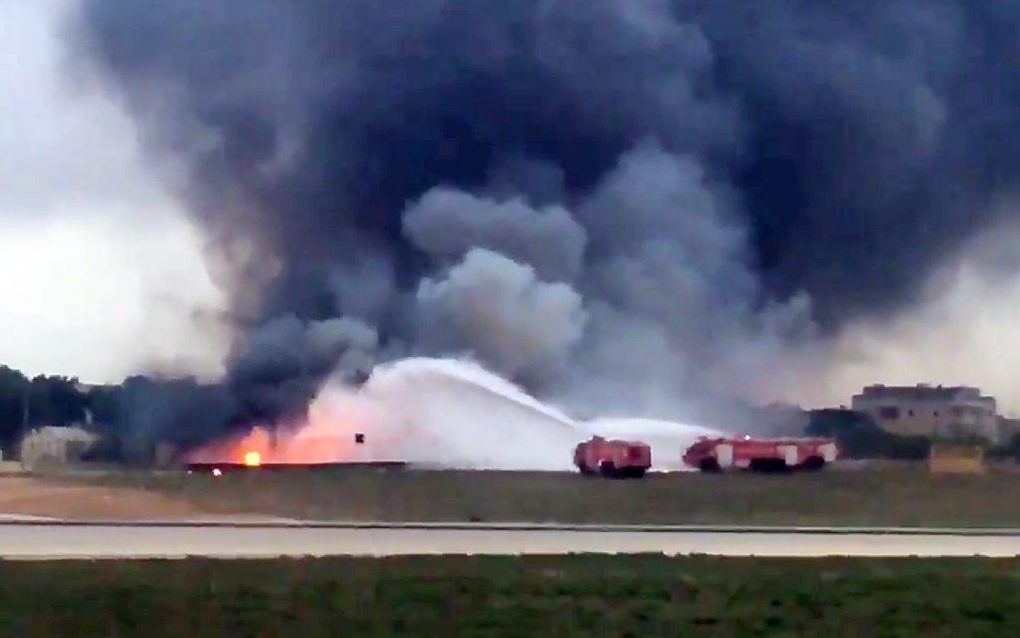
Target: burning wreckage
{"x":269,"y":449}
{"x":253,"y":458}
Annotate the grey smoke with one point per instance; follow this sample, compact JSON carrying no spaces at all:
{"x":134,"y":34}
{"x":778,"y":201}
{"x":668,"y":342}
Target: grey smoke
{"x":540,"y":182}
{"x":364,"y":286}
{"x":719,"y":188}
{"x":180,"y":411}
{"x":499,"y":311}
{"x":447,"y":223}
{"x":288,"y":346}
{"x":281,"y":363}
{"x":667,"y":244}
{"x":672,"y":294}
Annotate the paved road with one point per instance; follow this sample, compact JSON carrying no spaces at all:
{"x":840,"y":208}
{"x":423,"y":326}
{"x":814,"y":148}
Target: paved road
{"x":62,"y":540}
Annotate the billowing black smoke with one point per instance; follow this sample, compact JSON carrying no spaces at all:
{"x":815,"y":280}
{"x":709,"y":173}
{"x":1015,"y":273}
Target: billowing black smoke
{"x":619,"y":202}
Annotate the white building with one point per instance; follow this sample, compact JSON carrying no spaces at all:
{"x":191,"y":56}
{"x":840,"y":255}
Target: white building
{"x":52,"y":445}
{"x":935,"y":411}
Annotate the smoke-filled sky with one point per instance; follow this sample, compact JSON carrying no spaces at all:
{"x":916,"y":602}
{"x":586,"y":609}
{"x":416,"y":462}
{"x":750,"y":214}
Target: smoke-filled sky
{"x":100,"y":273}
{"x":639,"y":206}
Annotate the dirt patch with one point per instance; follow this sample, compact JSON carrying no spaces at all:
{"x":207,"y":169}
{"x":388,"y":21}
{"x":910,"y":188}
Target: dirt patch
{"x":39,"y":497}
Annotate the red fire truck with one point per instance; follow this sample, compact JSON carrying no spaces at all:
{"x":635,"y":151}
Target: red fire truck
{"x":613,"y":458}
{"x":718,"y":454}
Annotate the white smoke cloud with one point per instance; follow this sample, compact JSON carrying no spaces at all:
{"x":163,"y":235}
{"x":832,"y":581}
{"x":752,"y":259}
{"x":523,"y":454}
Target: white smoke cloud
{"x":496,"y":309}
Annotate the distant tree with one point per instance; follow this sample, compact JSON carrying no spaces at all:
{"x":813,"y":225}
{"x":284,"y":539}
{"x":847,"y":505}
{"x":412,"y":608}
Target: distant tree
{"x":14,"y":388}
{"x":43,"y":400}
{"x":860,"y":437}
{"x":56,"y":401}
{"x":1008,"y":450}
{"x":132,"y":418}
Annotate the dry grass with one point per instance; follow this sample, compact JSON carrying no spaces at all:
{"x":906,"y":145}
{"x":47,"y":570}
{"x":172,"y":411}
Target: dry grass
{"x":37,"y":497}
{"x":885,"y":495}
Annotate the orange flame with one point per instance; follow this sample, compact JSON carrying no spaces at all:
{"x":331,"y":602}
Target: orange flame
{"x":259,"y":447}
{"x":329,"y":433}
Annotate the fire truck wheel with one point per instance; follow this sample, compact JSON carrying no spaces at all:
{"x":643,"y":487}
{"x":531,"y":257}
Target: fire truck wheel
{"x":813,"y":463}
{"x":710,"y":465}
{"x":769,"y":465}
{"x":587,"y":471}
{"x":608,"y":469}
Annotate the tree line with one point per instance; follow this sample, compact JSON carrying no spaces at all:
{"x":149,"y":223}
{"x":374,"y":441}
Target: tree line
{"x":26,"y":403}
{"x":136,"y":415}
{"x":132,"y":417}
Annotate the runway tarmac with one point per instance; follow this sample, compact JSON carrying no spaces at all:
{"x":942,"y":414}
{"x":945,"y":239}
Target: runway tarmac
{"x":40,"y":540}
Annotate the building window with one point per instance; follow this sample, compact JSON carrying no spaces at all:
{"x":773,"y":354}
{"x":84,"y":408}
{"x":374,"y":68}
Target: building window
{"x":889,"y":412}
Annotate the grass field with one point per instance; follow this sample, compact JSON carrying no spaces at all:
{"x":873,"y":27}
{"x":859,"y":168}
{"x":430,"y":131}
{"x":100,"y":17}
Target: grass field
{"x":885,"y":495}
{"x":644,"y":596}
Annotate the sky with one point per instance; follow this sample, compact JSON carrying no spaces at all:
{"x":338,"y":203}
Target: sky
{"x":102,"y":275}
{"x":965,"y":331}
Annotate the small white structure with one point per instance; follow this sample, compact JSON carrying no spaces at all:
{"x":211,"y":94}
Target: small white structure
{"x":53,"y":445}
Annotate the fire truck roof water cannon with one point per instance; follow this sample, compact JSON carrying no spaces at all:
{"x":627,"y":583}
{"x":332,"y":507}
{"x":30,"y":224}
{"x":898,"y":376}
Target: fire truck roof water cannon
{"x":763,"y":455}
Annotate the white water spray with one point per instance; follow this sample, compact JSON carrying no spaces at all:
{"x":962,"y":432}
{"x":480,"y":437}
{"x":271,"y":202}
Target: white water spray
{"x":668,"y":439}
{"x":449,"y":413}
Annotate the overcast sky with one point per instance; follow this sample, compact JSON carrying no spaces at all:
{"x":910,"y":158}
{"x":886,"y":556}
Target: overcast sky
{"x":99,"y":271}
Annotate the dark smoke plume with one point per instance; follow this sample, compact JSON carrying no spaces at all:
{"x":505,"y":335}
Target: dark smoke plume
{"x":701,"y":191}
